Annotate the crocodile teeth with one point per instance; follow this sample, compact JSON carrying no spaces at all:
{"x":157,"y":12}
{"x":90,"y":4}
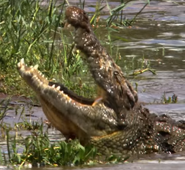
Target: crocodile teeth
{"x":19,"y":64}
{"x":40,"y":73}
{"x":22,"y":67}
{"x":31,"y":69}
{"x":43,"y":75}
{"x":69,"y":99}
{"x":40,"y":83}
{"x":36,"y":66}
{"x":58,"y":88}
{"x":22,"y":61}
{"x":35,"y":79}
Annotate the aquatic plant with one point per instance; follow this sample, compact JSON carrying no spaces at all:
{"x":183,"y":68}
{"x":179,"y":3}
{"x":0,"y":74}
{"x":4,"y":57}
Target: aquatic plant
{"x":170,"y":99}
{"x":39,"y":150}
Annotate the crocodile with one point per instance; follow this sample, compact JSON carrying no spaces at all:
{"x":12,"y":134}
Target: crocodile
{"x":115,"y":123}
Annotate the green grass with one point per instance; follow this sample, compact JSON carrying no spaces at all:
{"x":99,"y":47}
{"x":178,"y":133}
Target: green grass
{"x":39,"y":150}
{"x":34,"y":32}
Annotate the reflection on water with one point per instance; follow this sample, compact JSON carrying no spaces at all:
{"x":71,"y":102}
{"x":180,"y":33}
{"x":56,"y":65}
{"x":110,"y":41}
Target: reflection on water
{"x":158,"y":35}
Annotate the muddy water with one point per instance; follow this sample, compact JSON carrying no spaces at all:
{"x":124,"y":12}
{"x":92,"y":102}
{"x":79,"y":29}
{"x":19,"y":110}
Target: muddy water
{"x":158,"y":35}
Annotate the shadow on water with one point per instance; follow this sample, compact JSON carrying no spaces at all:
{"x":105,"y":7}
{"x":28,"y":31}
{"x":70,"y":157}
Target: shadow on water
{"x":158,"y":36}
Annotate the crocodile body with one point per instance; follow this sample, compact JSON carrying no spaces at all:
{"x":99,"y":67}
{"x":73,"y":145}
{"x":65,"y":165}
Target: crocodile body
{"x":117,"y":123}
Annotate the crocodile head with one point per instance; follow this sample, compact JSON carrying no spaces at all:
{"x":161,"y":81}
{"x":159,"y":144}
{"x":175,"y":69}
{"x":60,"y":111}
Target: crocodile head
{"x":73,"y":115}
{"x":85,"y":119}
{"x":98,"y":122}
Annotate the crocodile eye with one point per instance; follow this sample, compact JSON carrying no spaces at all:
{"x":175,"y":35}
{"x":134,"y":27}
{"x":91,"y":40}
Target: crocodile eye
{"x":116,"y":73}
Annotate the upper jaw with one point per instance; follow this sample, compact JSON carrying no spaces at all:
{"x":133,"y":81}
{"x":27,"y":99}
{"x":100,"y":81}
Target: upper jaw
{"x":69,"y":116}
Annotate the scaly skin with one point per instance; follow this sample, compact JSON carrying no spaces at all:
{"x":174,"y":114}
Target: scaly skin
{"x":117,"y":124}
{"x":107,"y":75}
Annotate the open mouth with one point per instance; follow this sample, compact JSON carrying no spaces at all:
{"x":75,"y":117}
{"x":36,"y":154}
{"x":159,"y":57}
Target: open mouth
{"x":40,"y":83}
{"x":75,"y":116}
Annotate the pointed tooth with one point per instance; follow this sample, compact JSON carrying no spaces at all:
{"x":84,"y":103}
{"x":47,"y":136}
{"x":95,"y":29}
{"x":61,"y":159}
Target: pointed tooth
{"x":36,"y":66}
{"x":42,"y":75}
{"x":39,"y":73}
{"x":35,"y":77}
{"x":53,"y":86}
{"x":58,"y":88}
{"x":22,"y":68}
{"x":31,"y":67}
{"x":19,"y":64}
{"x":22,"y":61}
